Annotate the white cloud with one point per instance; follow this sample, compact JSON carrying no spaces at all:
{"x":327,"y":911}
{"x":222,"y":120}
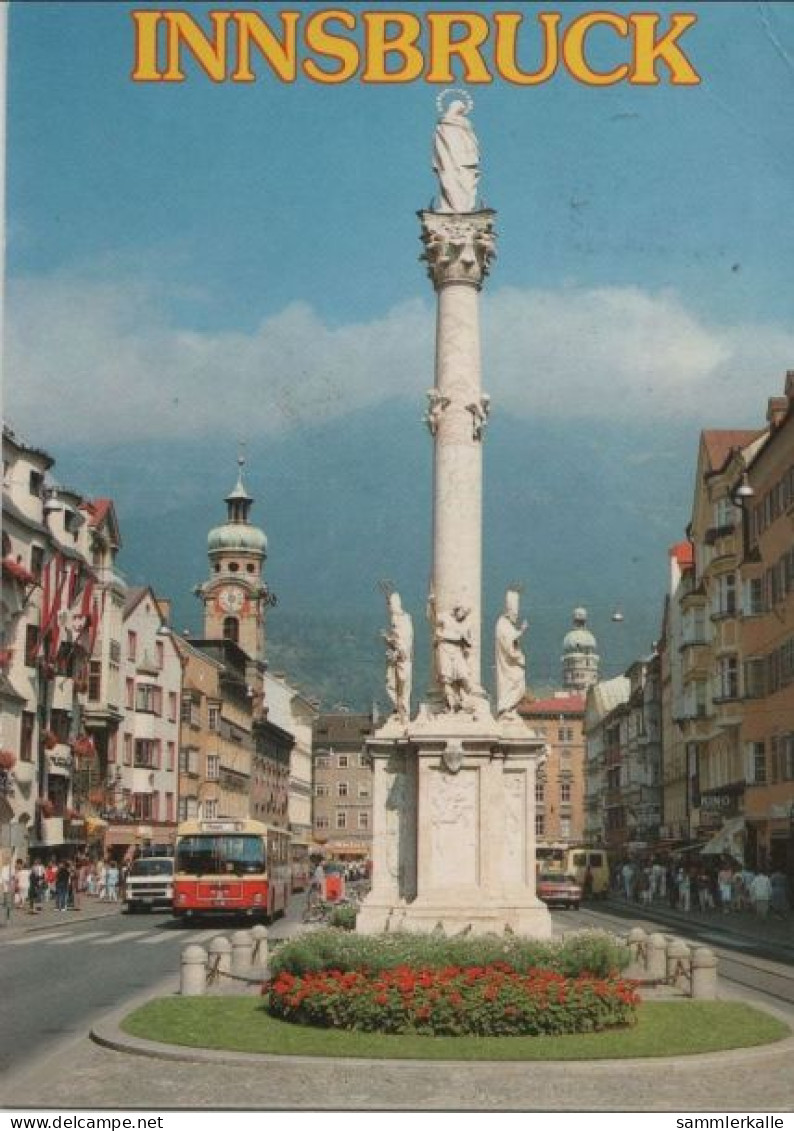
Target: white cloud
{"x":101,"y":361}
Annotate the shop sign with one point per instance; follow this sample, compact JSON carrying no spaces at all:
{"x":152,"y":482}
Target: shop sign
{"x":59,"y":763}
{"x":719,"y":803}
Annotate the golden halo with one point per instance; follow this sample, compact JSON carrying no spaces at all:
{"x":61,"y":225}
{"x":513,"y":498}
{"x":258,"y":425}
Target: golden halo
{"x":468,"y":101}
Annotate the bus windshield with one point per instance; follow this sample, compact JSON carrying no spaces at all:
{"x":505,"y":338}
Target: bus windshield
{"x":220,"y":855}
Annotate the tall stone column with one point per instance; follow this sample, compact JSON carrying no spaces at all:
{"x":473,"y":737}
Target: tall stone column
{"x":454,"y":786}
{"x":458,"y":251}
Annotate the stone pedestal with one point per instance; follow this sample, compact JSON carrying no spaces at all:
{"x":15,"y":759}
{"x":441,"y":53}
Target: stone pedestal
{"x":454,"y":844}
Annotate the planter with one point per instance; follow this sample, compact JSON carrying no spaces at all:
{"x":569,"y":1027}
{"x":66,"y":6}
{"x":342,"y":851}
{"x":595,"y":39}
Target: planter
{"x":83,"y":747}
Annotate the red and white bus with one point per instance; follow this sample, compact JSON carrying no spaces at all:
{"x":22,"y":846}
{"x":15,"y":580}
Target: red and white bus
{"x":231,"y":866}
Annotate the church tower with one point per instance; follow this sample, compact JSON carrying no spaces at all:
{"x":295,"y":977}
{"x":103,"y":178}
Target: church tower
{"x":236,"y":596}
{"x":579,"y":657}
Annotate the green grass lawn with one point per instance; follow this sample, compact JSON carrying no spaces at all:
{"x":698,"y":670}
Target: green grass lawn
{"x":663,"y":1029}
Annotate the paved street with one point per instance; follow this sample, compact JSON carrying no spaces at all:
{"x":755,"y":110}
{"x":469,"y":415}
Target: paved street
{"x":69,"y":976}
{"x":59,"y":971}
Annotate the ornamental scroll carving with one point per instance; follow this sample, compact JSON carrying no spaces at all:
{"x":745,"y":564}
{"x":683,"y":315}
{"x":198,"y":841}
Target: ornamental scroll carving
{"x":458,"y":249}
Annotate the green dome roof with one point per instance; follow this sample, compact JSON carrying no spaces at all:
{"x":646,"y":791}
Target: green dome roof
{"x":237,"y":536}
{"x":579,"y":640}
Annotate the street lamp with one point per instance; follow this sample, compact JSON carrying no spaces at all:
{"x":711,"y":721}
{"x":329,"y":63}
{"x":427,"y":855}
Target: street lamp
{"x":743,"y":492}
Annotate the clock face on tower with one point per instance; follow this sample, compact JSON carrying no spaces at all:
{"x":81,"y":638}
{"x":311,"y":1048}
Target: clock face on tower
{"x":231,"y":600}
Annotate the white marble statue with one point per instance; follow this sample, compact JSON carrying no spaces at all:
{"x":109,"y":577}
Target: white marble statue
{"x":399,"y":657}
{"x":435,"y":410}
{"x":511,"y":684}
{"x":456,"y":159}
{"x":480,"y":410}
{"x":453,"y":643}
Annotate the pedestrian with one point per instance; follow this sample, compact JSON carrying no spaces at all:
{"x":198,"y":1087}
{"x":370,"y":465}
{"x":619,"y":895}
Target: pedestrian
{"x":760,"y":893}
{"x":725,"y":882}
{"x":737,"y":891}
{"x":36,"y":889}
{"x":778,"y":901}
{"x":587,"y":885}
{"x":627,"y":874}
{"x":21,"y":883}
{"x":74,"y":885}
{"x":101,"y":880}
{"x":49,"y":877}
{"x":62,"y":886}
{"x":684,"y":890}
{"x":671,"y":883}
{"x":112,"y":882}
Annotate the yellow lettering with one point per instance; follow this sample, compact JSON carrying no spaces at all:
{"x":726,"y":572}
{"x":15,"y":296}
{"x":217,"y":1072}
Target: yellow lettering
{"x":210,"y":54}
{"x":279,"y":54}
{"x":402,"y":43}
{"x":145,"y":69}
{"x":507,"y":25}
{"x":443,"y":48}
{"x":647,"y":51}
{"x":332,"y":46}
{"x":573,"y":49}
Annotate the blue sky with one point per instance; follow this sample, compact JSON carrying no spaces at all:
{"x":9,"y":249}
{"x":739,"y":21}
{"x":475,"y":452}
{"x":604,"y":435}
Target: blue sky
{"x":154,"y":219}
{"x":208,"y":261}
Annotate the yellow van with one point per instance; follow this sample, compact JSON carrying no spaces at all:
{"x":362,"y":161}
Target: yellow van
{"x":578,"y":861}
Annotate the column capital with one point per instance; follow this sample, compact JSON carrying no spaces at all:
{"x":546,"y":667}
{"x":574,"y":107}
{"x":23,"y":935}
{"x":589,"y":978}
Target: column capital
{"x":458,"y":247}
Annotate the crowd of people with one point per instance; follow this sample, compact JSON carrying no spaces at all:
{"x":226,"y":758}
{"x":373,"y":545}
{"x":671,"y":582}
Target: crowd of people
{"x":32,"y":885}
{"x":723,"y":886}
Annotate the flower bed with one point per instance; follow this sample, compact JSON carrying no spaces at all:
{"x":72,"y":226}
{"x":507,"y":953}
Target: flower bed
{"x":493,"y":1000}
{"x":587,"y":952}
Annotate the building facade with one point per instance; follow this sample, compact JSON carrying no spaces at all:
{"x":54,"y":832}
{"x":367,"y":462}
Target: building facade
{"x":295,"y":715}
{"x":559,"y":786}
{"x":767,"y":642}
{"x":342,"y":817}
{"x":606,"y":734}
{"x":141,"y":792}
{"x":52,"y":610}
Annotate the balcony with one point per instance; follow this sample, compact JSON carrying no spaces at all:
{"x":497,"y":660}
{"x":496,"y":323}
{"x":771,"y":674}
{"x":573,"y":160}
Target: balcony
{"x":234,"y":780}
{"x":715,"y":533}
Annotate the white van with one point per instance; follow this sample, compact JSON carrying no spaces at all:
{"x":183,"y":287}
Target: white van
{"x":150,"y":883}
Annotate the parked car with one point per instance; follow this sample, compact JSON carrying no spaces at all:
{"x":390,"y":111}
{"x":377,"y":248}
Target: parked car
{"x":559,"y":890}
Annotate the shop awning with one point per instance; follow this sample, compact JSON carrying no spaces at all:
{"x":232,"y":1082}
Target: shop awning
{"x":729,"y":841}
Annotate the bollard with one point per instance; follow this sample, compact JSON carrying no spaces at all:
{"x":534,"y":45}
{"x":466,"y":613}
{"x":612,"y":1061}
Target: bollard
{"x":679,"y":965}
{"x":637,"y":944}
{"x":656,"y":959}
{"x":242,"y":949}
{"x":193,"y":971}
{"x":704,"y":973}
{"x":220,"y":959}
{"x":259,"y":954}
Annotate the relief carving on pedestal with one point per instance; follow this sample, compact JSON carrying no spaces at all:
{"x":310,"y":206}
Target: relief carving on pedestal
{"x":515,"y":820}
{"x":395,"y":804}
{"x":454,"y":828}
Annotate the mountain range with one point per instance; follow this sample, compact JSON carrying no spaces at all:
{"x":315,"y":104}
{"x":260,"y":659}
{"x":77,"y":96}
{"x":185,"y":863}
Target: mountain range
{"x":578,"y":513}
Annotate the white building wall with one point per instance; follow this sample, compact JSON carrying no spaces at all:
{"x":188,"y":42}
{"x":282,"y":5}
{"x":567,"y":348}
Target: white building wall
{"x":288,"y":709}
